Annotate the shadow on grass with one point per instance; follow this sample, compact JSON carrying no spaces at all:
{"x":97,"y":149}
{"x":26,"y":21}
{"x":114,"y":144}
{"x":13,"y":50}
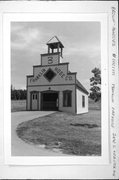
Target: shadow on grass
{"x":85,"y":125}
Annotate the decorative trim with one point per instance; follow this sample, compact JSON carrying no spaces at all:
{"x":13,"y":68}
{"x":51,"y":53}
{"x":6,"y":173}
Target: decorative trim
{"x":47,"y":77}
{"x":34,"y":91}
{"x":45,"y":54}
{"x":49,"y":91}
{"x":67,"y":90}
{"x":82,"y":90}
{"x":51,"y":85}
{"x":51,"y":65}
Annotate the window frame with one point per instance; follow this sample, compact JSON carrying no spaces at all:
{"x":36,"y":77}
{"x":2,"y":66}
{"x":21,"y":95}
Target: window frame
{"x":34,"y":95}
{"x":83,"y":101}
{"x":68,"y":103}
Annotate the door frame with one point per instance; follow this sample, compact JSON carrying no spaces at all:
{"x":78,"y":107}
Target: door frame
{"x":37,"y":92}
{"x":48,"y":91}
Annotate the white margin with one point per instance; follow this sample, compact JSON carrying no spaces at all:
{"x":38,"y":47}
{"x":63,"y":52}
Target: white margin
{"x":108,"y":171}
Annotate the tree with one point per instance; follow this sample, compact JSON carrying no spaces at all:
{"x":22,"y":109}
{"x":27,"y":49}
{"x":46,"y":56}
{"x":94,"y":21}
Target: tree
{"x":18,"y":94}
{"x":95,"y":83}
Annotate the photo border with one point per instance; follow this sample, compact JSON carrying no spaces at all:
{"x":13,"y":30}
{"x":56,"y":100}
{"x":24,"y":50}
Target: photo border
{"x":102,"y":171}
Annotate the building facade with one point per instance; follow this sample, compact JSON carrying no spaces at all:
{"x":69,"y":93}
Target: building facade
{"x":52,"y":87}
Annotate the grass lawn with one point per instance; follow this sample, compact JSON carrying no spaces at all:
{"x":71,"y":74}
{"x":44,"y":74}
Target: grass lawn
{"x":18,"y":105}
{"x":72,"y":134}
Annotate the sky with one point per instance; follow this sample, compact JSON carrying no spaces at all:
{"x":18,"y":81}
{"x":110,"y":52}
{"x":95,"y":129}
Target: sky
{"x":81,"y":42}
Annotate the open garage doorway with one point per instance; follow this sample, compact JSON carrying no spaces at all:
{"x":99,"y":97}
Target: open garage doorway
{"x":49,"y":101}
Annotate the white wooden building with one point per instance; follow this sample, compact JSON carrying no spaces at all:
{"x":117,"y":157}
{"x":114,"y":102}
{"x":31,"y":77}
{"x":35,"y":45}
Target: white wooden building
{"x":52,"y":86}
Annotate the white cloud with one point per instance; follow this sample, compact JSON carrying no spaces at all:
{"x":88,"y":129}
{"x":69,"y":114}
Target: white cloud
{"x":78,"y":48}
{"x":23,"y":38}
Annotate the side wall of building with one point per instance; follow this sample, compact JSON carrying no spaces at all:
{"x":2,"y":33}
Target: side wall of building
{"x":79,"y":102}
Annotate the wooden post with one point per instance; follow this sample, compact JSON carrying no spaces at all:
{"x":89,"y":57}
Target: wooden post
{"x":61,"y":52}
{"x":58,"y":47}
{"x":48,"y":49}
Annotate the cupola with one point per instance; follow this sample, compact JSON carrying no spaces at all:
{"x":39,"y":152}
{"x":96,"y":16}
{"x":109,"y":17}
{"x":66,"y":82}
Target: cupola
{"x":55,"y":45}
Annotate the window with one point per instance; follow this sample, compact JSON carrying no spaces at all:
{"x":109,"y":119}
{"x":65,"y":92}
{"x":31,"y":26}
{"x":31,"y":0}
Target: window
{"x":83,"y":101}
{"x":34,"y":96}
{"x":67,"y":98}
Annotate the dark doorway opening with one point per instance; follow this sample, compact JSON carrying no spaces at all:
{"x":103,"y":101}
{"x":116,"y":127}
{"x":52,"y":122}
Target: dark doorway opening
{"x":49,"y":101}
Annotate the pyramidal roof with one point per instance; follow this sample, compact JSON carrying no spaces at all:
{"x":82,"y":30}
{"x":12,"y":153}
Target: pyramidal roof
{"x":54,"y":40}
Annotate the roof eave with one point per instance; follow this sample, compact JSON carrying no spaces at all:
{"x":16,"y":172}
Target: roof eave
{"x":84,"y":91}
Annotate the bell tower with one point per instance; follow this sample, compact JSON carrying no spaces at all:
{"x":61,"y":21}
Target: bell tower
{"x":55,"y":45}
{"x":55,"y":52}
